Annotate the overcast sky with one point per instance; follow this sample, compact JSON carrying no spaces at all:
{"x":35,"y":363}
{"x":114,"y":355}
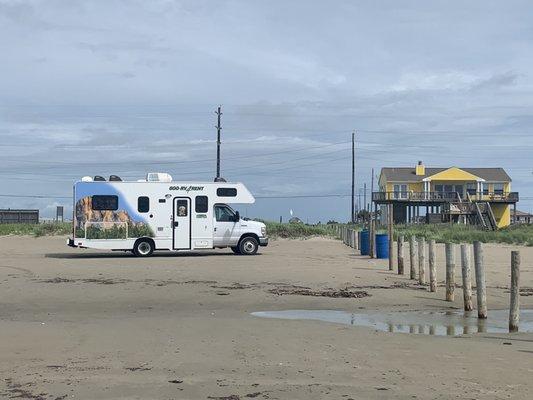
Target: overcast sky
{"x":126,"y":87}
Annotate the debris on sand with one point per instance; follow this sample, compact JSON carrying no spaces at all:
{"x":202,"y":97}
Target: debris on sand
{"x":99,"y":281}
{"x":58,"y":280}
{"x":140,"y":368}
{"x":230,"y":397}
{"x":335,"y":293}
{"x":177,"y":381}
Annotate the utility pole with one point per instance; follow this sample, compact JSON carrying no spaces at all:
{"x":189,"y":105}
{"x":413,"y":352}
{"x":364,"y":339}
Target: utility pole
{"x":219,"y":128}
{"x":353,"y":177}
{"x":364,"y":197}
{"x":371,"y":191}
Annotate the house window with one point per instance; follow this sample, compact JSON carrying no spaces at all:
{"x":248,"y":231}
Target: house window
{"x":143,"y":204}
{"x":400,"y":191}
{"x":107,"y":203}
{"x":201,"y":204}
{"x":227,"y":192}
{"x":498,"y":189}
{"x":471,"y":188}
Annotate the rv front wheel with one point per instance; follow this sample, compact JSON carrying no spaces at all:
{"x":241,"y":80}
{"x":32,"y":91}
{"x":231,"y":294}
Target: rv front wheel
{"x":235,"y":249}
{"x":248,"y":246}
{"x":143,"y":248}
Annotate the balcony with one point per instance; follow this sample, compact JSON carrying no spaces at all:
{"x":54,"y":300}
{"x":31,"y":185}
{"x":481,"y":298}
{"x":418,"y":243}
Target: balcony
{"x":443,"y":197}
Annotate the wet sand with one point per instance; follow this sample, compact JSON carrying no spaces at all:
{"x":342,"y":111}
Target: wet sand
{"x":99,"y":325}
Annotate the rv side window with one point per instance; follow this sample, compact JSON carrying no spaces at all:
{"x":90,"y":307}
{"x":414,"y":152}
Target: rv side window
{"x":101,"y":203}
{"x":201,"y":204}
{"x":224,"y":214}
{"x":143,"y":204}
{"x":227,"y":192}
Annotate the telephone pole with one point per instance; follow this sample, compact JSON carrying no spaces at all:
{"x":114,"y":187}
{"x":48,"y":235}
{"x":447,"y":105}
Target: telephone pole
{"x":219,"y":128}
{"x":353,"y":177}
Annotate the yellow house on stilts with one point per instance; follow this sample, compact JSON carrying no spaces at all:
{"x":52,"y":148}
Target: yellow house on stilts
{"x":476,"y":196}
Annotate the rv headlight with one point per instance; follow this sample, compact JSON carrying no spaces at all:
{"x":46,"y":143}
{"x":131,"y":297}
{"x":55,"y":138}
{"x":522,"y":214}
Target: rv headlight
{"x":263,"y":231}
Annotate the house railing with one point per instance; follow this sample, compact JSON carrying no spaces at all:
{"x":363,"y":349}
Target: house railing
{"x":443,"y":197}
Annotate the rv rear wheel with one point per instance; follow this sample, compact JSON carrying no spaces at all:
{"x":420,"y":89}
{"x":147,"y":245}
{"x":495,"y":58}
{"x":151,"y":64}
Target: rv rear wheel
{"x":143,"y":248}
{"x":248,"y":246}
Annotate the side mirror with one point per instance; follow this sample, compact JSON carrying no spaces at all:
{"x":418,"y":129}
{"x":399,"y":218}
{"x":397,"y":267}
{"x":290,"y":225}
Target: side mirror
{"x":237,"y":217}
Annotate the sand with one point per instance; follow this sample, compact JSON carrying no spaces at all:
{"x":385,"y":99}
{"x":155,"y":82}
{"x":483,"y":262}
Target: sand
{"x":85,"y":324}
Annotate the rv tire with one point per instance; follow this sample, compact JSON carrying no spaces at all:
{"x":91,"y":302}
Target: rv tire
{"x":235,"y":249}
{"x":143,"y":247}
{"x":248,"y":246}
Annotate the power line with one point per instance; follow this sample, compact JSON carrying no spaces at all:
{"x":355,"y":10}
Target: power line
{"x":184,"y":161}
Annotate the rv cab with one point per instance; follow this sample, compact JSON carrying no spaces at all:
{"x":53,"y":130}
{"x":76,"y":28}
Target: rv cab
{"x":158,"y":213}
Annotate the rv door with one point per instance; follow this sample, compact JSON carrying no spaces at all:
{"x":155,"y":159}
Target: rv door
{"x":182,"y":223}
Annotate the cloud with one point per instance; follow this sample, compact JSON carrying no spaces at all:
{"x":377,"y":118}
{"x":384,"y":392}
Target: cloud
{"x":129,"y":87}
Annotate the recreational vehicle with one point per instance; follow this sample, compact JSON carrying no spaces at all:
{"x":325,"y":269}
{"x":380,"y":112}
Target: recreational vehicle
{"x":157,"y":213}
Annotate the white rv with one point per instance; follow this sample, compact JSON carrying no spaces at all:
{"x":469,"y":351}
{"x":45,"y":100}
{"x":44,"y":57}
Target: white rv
{"x":158,"y":214}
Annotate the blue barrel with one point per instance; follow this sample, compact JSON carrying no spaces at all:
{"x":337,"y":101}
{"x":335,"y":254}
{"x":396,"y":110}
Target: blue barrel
{"x":364,"y":243}
{"x":382,"y":245}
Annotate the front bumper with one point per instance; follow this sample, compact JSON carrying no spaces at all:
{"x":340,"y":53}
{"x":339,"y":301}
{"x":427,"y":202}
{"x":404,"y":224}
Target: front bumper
{"x":263,"y":241}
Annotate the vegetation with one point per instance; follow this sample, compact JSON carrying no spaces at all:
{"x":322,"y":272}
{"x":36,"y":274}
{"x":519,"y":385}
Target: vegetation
{"x":43,"y":229}
{"x":518,"y":234}
{"x":295,"y":231}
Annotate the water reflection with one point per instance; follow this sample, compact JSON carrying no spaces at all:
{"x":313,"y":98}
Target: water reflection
{"x":448,"y":323}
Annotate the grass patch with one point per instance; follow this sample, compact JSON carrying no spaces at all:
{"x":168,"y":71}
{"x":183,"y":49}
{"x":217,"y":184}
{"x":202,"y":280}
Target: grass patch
{"x":518,"y":234}
{"x":298,"y":231}
{"x":275,"y":229}
{"x":43,"y":229}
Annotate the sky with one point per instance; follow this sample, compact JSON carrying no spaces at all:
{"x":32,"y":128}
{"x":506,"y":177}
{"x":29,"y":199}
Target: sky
{"x":130,"y":87}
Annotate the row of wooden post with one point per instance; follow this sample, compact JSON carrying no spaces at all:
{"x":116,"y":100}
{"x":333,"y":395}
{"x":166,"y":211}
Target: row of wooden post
{"x":481,"y":288}
{"x":350,"y":237}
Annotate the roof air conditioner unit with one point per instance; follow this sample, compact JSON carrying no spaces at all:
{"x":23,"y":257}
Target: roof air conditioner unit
{"x":158,"y":177}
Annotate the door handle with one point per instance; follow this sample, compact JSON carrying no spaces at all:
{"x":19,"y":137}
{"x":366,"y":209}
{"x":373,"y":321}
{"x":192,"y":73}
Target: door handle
{"x":176,"y":223}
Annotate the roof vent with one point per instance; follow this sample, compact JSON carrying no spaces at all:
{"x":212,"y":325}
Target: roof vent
{"x":115,"y":178}
{"x":99,"y":178}
{"x":87,"y":179}
{"x":158,"y":177}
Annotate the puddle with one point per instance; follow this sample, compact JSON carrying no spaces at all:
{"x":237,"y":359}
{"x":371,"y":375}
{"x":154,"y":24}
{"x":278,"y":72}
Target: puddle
{"x":437,"y":323}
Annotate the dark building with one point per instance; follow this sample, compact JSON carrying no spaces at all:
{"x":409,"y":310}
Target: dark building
{"x":12,"y":216}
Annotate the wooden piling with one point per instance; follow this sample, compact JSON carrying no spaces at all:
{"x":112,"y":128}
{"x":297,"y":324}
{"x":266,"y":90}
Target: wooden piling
{"x":514,"y":307}
{"x":400,"y":255}
{"x":467,"y":280}
{"x":450,"y":271}
{"x":412,"y":252}
{"x":432,"y":267}
{"x":371,"y":237}
{"x":422,"y":261}
{"x":391,"y":237}
{"x":481,"y":289}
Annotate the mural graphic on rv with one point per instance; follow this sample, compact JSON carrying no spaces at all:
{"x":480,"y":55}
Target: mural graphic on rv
{"x":122,"y":223}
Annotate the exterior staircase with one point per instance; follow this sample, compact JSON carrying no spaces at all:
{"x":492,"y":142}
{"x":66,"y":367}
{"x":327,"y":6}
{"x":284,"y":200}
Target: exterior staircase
{"x":485,"y":216}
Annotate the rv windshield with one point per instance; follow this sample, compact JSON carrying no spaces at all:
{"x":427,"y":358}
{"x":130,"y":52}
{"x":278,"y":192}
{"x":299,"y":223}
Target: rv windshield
{"x":224,"y":213}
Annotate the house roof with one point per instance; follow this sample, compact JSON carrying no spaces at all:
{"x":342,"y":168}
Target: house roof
{"x":408,"y":174}
{"x":523,"y":214}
